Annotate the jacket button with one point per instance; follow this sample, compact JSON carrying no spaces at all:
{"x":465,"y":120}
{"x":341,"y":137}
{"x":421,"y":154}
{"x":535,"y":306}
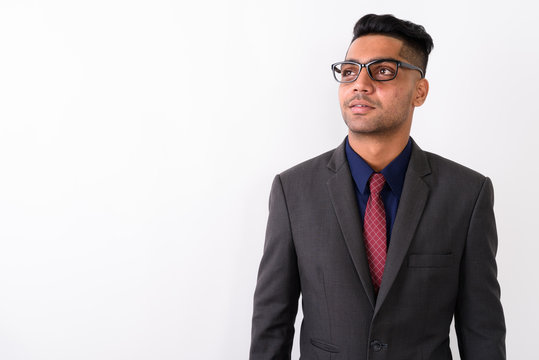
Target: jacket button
{"x":377,"y":346}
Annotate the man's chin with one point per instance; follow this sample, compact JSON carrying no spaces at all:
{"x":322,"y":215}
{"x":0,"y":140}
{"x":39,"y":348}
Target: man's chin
{"x":363,"y":128}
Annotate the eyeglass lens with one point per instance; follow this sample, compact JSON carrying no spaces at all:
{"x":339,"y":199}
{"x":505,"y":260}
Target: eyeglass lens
{"x":380,"y":71}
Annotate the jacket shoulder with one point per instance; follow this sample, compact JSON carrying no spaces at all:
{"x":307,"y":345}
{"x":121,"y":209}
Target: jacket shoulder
{"x":441,"y":164}
{"x":455,"y":177}
{"x":309,"y":167}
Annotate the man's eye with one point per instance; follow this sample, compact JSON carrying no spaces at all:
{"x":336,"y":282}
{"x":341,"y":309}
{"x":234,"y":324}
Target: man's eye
{"x":383,"y":71}
{"x":386,"y":71}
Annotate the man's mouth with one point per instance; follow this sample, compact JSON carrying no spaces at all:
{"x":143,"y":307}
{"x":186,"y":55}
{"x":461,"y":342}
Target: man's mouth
{"x":360,"y":107}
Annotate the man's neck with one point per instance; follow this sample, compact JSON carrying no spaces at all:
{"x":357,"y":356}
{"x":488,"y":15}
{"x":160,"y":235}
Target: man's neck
{"x":378,"y":152}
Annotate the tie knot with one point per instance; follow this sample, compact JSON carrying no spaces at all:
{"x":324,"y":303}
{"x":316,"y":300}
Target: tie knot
{"x":376,"y":183}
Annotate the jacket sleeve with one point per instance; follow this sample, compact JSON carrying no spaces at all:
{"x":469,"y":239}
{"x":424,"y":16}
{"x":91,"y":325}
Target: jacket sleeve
{"x":479,"y":319}
{"x":278,"y":286}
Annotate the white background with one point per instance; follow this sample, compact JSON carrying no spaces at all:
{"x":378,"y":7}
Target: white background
{"x":139,"y":139}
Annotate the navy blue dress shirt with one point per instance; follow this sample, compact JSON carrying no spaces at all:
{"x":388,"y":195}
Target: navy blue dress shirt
{"x":391,"y":193}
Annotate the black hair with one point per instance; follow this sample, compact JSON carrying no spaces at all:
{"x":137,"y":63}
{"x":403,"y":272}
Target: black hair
{"x":417,"y":42}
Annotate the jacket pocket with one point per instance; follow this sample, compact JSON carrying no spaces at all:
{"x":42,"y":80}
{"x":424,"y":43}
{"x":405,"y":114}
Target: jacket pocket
{"x":325,"y":346}
{"x":430,"y":260}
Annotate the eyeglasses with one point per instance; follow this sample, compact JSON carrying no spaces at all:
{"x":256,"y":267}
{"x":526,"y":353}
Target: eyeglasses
{"x":378,"y":70}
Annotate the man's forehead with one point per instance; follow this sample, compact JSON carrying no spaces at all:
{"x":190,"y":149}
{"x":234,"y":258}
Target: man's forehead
{"x":374,"y":46}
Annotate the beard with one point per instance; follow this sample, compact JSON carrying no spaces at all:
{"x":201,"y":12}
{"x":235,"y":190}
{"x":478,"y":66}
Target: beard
{"x":380,"y":121}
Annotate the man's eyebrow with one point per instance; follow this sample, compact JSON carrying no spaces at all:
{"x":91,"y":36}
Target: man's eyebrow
{"x":370,"y":60}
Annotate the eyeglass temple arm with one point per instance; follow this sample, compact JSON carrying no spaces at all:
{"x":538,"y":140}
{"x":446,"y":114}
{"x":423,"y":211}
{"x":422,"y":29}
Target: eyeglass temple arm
{"x":412,"y":67}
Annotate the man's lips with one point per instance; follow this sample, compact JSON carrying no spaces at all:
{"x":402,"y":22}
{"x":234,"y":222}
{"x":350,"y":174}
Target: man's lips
{"x":360,"y":106}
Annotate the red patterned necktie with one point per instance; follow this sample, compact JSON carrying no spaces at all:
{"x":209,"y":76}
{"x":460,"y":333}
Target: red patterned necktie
{"x":374,"y":230}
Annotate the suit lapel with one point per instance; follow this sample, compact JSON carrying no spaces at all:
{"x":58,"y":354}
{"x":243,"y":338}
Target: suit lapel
{"x":412,"y":202}
{"x":343,"y":198}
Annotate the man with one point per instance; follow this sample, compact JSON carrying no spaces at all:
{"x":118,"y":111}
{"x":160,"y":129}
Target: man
{"x":385,"y":242}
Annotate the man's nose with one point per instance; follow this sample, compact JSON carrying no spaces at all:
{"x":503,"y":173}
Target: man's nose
{"x":364,"y":83}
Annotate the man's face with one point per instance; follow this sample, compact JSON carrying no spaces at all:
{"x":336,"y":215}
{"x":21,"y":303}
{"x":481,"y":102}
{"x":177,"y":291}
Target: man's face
{"x":379,"y":107}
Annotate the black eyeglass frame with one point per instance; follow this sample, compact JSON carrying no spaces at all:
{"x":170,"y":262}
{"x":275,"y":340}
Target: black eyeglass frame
{"x":367,"y":65}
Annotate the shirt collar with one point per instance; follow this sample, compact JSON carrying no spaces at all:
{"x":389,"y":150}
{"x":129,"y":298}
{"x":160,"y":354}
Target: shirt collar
{"x":394,"y":172}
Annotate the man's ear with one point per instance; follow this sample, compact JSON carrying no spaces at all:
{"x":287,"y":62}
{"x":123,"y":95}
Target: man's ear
{"x":421,"y":92}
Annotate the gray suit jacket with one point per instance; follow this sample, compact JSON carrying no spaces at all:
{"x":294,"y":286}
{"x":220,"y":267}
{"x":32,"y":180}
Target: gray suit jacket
{"x":440,"y":264}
